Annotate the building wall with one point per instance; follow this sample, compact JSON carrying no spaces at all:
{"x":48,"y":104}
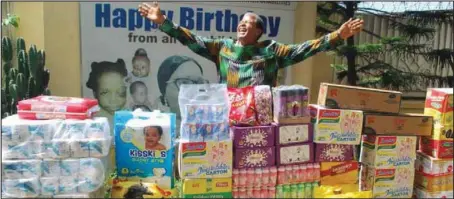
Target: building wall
{"x":55,"y":27}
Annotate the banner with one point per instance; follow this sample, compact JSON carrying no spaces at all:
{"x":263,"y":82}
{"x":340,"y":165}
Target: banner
{"x":128,"y":63}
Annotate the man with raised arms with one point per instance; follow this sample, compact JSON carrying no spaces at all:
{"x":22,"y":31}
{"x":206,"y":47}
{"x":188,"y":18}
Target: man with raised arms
{"x":245,"y":61}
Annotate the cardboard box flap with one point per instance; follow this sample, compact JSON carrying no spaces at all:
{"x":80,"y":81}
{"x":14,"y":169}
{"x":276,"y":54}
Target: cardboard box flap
{"x":402,"y":124}
{"x":361,"y":88}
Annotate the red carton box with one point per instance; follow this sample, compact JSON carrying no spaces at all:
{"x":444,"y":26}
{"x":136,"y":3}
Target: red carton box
{"x":436,"y":148}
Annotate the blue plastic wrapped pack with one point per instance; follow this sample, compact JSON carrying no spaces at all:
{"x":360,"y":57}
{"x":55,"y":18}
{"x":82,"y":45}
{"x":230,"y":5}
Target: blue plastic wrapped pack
{"x":204,"y":112}
{"x":144,"y":146}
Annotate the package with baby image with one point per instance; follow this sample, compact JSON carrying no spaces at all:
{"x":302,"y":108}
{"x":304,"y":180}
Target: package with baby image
{"x":144,"y":146}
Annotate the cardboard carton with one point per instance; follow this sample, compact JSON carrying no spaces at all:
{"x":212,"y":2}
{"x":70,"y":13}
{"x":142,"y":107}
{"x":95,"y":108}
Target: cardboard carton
{"x":388,"y":151}
{"x":359,"y":98}
{"x":403,"y":124}
{"x":439,"y":104}
{"x":207,"y":188}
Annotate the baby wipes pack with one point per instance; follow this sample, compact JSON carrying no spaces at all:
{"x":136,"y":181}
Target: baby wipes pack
{"x":145,"y":145}
{"x":56,"y":139}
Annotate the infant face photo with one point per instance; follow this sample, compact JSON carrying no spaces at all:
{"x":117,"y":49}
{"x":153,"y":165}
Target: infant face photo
{"x":153,"y":135}
{"x":141,"y":67}
{"x":139,"y":92}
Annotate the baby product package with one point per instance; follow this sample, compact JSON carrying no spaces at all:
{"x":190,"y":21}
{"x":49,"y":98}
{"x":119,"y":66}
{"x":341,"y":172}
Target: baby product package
{"x":294,"y":133}
{"x":207,"y":188}
{"x":291,"y":104}
{"x":388,"y":151}
{"x":254,"y":157}
{"x":295,"y":154}
{"x":57,"y":139}
{"x":54,"y":107}
{"x":205,"y":159}
{"x":358,"y":98}
{"x":204,"y":112}
{"x":145,"y":145}
{"x":439,"y":104}
{"x":394,"y":182}
{"x":335,"y":126}
{"x":126,"y":188}
{"x":338,"y":173}
{"x":251,"y":137}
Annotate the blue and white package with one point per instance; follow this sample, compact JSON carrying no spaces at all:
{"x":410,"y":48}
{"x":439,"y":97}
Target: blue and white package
{"x":144,"y":145}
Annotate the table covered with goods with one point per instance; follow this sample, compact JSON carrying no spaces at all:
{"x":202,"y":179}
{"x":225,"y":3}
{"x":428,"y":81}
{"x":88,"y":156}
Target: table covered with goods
{"x":251,"y":142}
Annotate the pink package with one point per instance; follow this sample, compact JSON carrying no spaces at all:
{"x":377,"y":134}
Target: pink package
{"x":54,"y":107}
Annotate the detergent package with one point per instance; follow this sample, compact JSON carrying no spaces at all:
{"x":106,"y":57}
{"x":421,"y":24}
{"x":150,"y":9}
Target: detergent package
{"x":54,"y":107}
{"x":145,"y":145}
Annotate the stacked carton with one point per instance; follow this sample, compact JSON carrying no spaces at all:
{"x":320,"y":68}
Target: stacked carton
{"x":388,"y":147}
{"x":434,"y":173}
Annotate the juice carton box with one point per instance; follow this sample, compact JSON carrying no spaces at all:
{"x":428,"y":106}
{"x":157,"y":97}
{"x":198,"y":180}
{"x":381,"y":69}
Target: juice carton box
{"x":439,"y":104}
{"x":206,"y":159}
{"x":402,"y":124}
{"x":359,"y":98}
{"x":387,"y":183}
{"x":207,"y":188}
{"x":432,"y":166}
{"x":419,"y":192}
{"x":334,"y":126}
{"x":388,"y":151}
{"x":434,"y":183}
{"x":437,"y":148}
{"x":144,"y":146}
{"x":338,"y":173}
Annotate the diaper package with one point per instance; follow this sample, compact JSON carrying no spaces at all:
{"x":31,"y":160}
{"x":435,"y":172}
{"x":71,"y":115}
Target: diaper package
{"x":144,"y":145}
{"x":205,"y":159}
{"x":388,"y":151}
{"x":388,"y":183}
{"x":335,"y":126}
{"x":56,"y":139}
{"x":47,"y":178}
{"x":207,"y":188}
{"x":53,"y":107}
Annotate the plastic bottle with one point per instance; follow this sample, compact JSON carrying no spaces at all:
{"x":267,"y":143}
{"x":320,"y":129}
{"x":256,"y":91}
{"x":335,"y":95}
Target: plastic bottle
{"x":281,"y":175}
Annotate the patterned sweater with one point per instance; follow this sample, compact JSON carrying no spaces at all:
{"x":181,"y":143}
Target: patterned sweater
{"x":240,"y":66}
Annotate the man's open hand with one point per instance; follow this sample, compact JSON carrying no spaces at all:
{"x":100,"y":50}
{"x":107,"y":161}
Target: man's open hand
{"x":350,"y":28}
{"x":152,"y":12}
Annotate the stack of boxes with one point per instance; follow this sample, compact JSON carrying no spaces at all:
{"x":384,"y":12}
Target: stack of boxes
{"x":389,"y":138}
{"x":205,"y":149}
{"x":297,"y":172}
{"x":434,"y":164}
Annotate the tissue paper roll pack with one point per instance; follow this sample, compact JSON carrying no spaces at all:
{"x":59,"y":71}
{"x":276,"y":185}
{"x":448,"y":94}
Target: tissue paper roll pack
{"x":144,"y":146}
{"x":30,"y":178}
{"x":55,"y":139}
{"x":53,"y":107}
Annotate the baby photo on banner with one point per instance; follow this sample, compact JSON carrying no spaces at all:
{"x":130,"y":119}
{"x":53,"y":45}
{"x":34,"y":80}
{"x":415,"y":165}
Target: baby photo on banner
{"x":128,"y":63}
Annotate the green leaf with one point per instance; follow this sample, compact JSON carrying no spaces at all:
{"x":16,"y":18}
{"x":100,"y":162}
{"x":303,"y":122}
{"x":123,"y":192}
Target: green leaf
{"x":11,"y":20}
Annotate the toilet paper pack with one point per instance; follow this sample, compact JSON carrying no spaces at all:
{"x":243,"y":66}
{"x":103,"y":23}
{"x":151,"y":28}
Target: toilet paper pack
{"x":56,"y":139}
{"x":21,"y":188}
{"x":144,"y":145}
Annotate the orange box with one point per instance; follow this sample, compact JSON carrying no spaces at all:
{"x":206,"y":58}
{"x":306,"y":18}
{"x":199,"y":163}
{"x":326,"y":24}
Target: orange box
{"x":336,"y":173}
{"x":439,"y":104}
{"x":403,"y":124}
{"x":436,"y":148}
{"x":337,"y":96}
{"x":434,"y":183}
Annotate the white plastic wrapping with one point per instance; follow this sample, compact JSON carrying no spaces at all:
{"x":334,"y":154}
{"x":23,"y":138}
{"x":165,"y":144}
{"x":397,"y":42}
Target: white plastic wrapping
{"x":204,"y":112}
{"x":47,"y":178}
{"x":56,"y":139}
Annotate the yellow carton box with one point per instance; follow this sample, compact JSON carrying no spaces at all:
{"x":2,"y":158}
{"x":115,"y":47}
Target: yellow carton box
{"x":388,"y":183}
{"x":207,"y":188}
{"x":433,"y":183}
{"x":206,"y":159}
